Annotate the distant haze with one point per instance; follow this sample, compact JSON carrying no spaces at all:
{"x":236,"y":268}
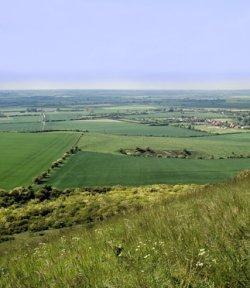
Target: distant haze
{"x":132,"y":44}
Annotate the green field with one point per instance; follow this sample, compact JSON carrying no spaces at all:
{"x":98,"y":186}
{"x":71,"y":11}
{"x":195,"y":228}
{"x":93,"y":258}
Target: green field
{"x":21,"y":118}
{"x":123,"y":128}
{"x":24,"y":156}
{"x":219,"y":145}
{"x":99,"y":169}
{"x":59,"y":116}
{"x":21,"y":126}
{"x":27,"y":155}
{"x":106,"y":126}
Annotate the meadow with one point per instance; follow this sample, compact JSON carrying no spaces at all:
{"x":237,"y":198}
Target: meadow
{"x":25,"y":155}
{"x":99,"y":169}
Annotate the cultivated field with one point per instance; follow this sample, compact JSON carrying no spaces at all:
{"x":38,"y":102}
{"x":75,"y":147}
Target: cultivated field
{"x":24,"y":156}
{"x":98,"y":169}
{"x":218,"y":146}
{"x":123,"y":128}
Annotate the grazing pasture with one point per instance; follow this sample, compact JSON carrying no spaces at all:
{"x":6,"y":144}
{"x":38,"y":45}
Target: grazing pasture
{"x":25,"y":155}
{"x":99,"y":169}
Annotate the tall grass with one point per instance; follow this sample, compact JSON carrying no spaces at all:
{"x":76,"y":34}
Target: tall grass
{"x":199,"y":240}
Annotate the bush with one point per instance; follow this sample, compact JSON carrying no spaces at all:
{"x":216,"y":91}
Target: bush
{"x":18,"y":195}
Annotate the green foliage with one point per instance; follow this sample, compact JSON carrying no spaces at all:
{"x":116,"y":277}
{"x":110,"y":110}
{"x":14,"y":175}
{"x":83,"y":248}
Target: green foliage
{"x":16,"y":196}
{"x":48,"y":207}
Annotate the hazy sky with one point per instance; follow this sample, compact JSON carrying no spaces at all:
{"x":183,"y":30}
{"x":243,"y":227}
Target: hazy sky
{"x":125,"y":43}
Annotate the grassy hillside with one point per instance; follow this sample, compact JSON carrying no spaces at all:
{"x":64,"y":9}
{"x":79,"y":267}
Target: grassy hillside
{"x":198,"y":239}
{"x":24,"y":156}
{"x":98,"y":169}
{"x":29,"y":209}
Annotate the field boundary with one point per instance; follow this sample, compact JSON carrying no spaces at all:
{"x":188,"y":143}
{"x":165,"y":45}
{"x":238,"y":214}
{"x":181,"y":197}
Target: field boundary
{"x":42,"y":178}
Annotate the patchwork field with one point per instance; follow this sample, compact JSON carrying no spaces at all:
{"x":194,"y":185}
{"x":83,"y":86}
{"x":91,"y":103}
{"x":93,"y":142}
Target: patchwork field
{"x":99,"y":169}
{"x":24,"y":156}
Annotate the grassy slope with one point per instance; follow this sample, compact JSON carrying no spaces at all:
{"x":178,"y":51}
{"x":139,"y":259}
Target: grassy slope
{"x":24,"y":156}
{"x":197,"y":240}
{"x":98,"y":169}
{"x":222,"y":145}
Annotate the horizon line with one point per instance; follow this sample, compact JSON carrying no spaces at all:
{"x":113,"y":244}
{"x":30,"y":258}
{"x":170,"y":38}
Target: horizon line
{"x":129,"y":85}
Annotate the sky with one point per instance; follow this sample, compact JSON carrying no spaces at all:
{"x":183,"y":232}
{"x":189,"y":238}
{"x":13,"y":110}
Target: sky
{"x":137,"y":44}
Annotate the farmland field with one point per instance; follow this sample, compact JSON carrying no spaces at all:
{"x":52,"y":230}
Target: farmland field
{"x":110,"y":123}
{"x":123,"y":128}
{"x":107,"y":126}
{"x":21,"y":126}
{"x":219,"y":145}
{"x":24,"y":156}
{"x":98,"y":169}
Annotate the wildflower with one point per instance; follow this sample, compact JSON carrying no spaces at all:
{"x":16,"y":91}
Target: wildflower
{"x":202,"y":252}
{"x":199,"y":264}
